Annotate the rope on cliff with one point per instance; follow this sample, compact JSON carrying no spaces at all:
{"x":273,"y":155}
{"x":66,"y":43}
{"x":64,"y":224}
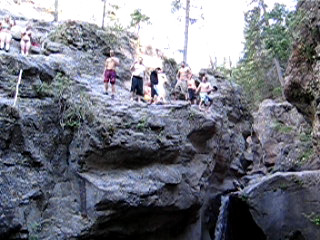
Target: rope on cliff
{"x":17,"y":88}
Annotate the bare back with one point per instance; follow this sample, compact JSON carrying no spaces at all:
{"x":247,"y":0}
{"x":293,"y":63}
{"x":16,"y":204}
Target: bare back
{"x":111,"y":63}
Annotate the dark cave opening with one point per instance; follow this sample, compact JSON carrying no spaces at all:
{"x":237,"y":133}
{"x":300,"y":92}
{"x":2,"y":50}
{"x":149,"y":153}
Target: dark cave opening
{"x":239,"y":224}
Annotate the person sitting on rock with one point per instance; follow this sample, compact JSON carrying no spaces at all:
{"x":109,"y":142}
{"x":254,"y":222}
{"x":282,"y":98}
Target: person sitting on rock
{"x":183,"y":75}
{"x":25,"y":42}
{"x":138,"y":74}
{"x":5,"y":33}
{"x":204,"y":88}
{"x":110,"y":72}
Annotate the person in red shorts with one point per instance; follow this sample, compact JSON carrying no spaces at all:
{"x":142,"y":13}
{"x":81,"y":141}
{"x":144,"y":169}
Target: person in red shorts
{"x":110,"y":72}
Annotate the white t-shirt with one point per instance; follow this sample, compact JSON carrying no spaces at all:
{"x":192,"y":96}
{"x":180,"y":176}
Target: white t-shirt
{"x":138,"y":70}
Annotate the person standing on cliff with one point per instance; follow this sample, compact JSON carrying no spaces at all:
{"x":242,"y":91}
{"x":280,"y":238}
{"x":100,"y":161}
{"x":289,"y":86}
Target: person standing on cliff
{"x":154,"y":85}
{"x":5,"y":33}
{"x":25,"y":42}
{"x":138,"y":74}
{"x":183,"y":75}
{"x":205,"y":88}
{"x":110,"y":72}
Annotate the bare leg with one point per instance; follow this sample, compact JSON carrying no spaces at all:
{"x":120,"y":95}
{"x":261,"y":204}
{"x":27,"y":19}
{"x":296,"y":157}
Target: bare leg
{"x":8,"y":40}
{"x":106,"y":86}
{"x":113,"y":86}
{"x":22,"y":46}
{"x":2,"y":40}
{"x":27,"y":48}
{"x":200,"y":105}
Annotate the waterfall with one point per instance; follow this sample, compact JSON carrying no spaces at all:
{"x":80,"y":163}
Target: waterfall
{"x":221,"y":225}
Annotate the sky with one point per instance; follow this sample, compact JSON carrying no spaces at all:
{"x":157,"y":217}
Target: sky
{"x":219,"y":35}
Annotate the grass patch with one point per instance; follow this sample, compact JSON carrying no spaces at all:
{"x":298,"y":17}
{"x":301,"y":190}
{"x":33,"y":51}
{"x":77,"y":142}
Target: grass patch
{"x":282,"y":128}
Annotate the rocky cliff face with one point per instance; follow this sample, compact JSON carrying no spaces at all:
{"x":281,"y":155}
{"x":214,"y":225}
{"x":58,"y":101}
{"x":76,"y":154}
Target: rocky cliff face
{"x":302,"y":81}
{"x":286,"y":205}
{"x":76,"y":164}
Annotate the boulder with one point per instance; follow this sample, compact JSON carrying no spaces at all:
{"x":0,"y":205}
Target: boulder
{"x":285,"y":136}
{"x":286,"y":205}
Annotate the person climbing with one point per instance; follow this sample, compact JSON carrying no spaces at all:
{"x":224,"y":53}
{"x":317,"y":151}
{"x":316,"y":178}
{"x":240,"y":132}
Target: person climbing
{"x":138,"y":74}
{"x":25,"y":42}
{"x":183,"y":75}
{"x":204,"y":88}
{"x":192,"y":90}
{"x":110,"y":73}
{"x":154,"y":85}
{"x":5,"y":33}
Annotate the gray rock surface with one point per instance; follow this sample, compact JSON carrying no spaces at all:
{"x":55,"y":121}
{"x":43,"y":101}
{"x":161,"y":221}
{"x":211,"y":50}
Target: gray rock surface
{"x":285,"y":136}
{"x":76,"y":164}
{"x":302,"y":76}
{"x":285,"y":205}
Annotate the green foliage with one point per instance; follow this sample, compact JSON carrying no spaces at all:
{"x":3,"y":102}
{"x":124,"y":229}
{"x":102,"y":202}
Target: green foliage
{"x":306,"y":155}
{"x":75,"y":111}
{"x":137,"y":17}
{"x":282,"y":128}
{"x":306,"y":137}
{"x":269,"y":36}
{"x":314,"y":218}
{"x":143,"y":124}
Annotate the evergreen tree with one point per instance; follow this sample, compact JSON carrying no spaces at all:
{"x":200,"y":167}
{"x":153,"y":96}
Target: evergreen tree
{"x":267,"y":47}
{"x":137,"y":17}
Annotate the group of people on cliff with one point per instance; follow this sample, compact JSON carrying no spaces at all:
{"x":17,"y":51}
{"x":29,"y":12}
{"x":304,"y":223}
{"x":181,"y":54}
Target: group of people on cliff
{"x":153,"y":91}
{"x":6,"y":26}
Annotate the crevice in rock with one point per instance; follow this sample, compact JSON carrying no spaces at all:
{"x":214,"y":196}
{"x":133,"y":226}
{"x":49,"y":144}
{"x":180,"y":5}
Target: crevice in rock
{"x":239,"y":223}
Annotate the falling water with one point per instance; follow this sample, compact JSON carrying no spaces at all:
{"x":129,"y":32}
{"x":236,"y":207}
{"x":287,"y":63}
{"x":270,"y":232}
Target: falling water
{"x":221,"y":226}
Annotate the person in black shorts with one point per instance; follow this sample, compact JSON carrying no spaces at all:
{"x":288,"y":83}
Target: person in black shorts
{"x":138,"y":74}
{"x":192,"y":90}
{"x":154,"y":85}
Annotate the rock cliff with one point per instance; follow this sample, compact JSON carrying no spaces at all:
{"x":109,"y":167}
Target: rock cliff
{"x":76,"y":164}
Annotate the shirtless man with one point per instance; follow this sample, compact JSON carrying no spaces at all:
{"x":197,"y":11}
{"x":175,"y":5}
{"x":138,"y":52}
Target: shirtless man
{"x":25,"y":42}
{"x":204,"y":88}
{"x":192,"y":90}
{"x":183,"y":75}
{"x":5,"y":33}
{"x":110,"y":72}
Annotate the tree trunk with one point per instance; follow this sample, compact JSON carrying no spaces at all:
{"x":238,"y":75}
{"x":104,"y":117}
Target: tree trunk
{"x":104,"y":13}
{"x":275,"y":60}
{"x":186,"y":32}
{"x":56,"y":10}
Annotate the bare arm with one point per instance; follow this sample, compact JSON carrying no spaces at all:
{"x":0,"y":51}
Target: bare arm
{"x":178,"y":75}
{"x":132,"y":66}
{"x":199,"y":88}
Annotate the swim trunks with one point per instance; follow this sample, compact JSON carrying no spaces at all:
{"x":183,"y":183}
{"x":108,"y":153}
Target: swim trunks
{"x":110,"y":76}
{"x":191,"y":94}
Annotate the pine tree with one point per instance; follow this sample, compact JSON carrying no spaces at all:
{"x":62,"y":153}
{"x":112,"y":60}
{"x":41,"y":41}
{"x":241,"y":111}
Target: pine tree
{"x":267,"y":47}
